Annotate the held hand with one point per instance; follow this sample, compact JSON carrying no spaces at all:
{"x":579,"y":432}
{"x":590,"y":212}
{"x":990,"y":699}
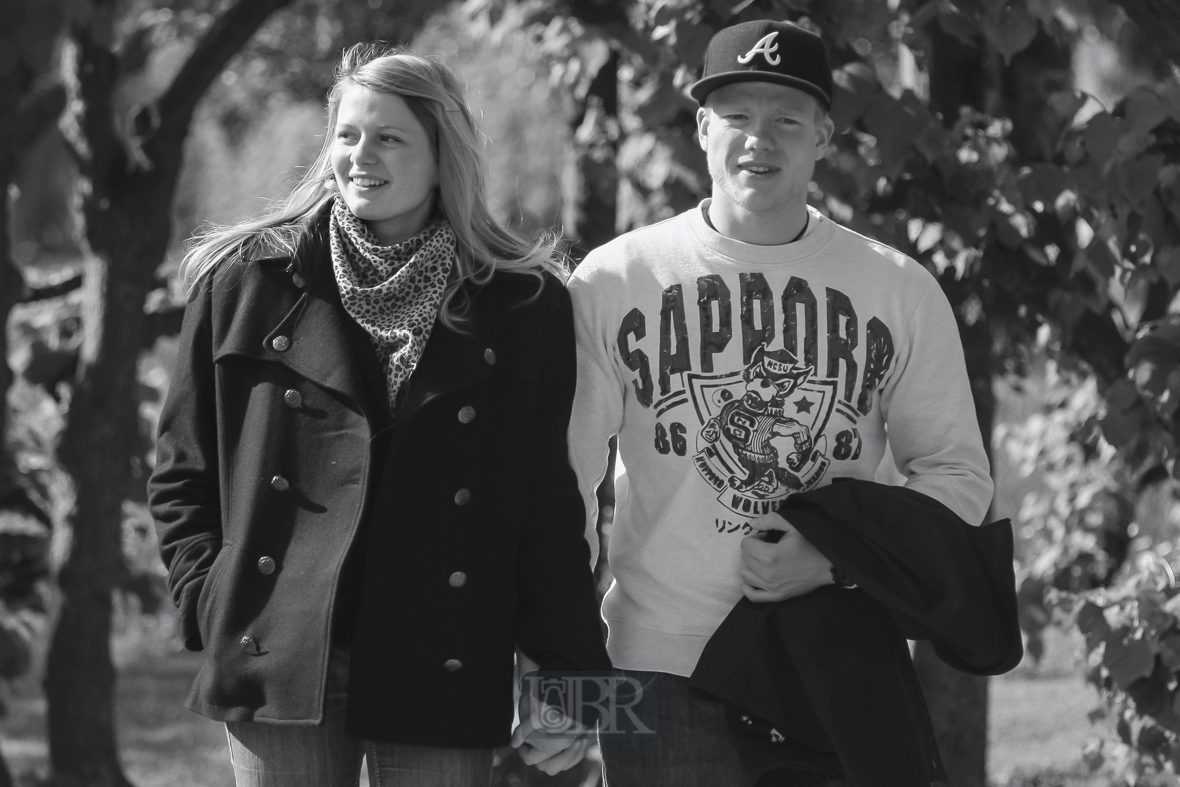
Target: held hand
{"x":549,"y":753}
{"x":789,"y":568}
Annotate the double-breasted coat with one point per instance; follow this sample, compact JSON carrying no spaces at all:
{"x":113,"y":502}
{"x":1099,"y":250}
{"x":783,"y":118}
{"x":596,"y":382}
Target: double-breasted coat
{"x":471,"y":534}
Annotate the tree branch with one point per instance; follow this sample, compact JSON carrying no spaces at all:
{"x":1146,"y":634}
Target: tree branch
{"x":33,"y":294}
{"x":35,"y":113}
{"x":224,"y":39}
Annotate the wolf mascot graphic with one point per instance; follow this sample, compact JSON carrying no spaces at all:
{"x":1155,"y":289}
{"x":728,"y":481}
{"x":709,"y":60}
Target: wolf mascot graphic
{"x":751,"y":421}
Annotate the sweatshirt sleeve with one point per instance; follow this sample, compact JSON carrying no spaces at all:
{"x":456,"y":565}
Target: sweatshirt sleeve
{"x":598,"y":401}
{"x":930,"y":413}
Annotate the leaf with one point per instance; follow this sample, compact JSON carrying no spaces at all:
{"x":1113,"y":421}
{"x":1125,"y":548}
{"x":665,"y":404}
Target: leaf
{"x":1152,"y":740}
{"x":855,"y":86}
{"x":727,"y":9}
{"x":1169,"y":646}
{"x":1042,"y":183}
{"x":895,"y":125}
{"x":1066,"y":103}
{"x":691,"y":42}
{"x":1119,"y":430}
{"x":1171,"y":98}
{"x":657,"y":103}
{"x":1144,"y":110}
{"x":1150,"y":694}
{"x":1128,"y":660}
{"x":1102,"y":136}
{"x":1121,"y":395}
{"x":958,"y":25}
{"x":1010,"y":31}
{"x":1091,"y":622}
{"x":1137,"y":178}
{"x":1092,"y":755}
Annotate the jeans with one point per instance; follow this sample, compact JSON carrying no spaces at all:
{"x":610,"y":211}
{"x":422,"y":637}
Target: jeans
{"x":695,"y":746}
{"x":274,"y":755}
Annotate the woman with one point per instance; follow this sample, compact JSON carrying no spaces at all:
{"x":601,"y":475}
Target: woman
{"x":362,"y":492}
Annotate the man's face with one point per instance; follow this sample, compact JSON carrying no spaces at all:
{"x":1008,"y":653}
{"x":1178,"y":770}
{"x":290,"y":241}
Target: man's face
{"x":762,"y":141}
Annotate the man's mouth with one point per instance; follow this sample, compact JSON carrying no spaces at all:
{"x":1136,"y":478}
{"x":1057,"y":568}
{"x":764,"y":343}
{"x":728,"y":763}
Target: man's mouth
{"x":758,"y":169}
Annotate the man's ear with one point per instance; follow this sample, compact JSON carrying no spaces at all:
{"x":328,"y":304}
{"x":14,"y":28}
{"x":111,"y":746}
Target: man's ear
{"x":824,"y":131}
{"x":703,"y":127}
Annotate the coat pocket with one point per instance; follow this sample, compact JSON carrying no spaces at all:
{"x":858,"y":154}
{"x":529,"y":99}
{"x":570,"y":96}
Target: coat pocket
{"x":206,"y":597}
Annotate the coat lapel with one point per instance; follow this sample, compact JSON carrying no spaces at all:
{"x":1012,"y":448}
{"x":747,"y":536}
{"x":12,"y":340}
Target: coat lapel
{"x":451,"y":360}
{"x":291,"y":314}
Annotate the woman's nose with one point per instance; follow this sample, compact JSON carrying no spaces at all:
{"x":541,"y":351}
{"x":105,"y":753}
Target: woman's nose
{"x":363,"y":152}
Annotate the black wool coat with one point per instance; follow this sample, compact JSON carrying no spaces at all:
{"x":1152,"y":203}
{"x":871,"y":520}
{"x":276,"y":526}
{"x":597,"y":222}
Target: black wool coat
{"x":471,"y":535}
{"x":830,"y":671}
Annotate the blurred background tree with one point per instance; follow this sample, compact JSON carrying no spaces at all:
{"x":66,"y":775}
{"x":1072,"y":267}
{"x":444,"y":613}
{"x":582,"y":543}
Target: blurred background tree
{"x":1026,"y":152}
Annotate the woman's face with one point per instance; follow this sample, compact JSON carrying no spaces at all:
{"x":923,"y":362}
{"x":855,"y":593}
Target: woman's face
{"x":384,"y":163}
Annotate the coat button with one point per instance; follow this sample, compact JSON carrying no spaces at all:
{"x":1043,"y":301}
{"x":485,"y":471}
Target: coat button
{"x":458,"y":579}
{"x":293,"y":398}
{"x":466,"y":414}
{"x":298,"y":281}
{"x":463,"y":497}
{"x":280,"y":343}
{"x":489,"y":355}
{"x":452,"y":665}
{"x":280,"y":484}
{"x":266,"y":564}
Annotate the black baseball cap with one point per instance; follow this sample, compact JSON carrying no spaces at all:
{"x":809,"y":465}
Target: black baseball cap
{"x":766,"y":51}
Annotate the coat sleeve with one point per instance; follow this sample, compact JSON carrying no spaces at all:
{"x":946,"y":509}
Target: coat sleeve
{"x":184,"y":493}
{"x":558,"y":624}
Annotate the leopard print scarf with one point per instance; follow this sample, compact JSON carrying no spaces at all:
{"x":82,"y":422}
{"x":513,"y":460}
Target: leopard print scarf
{"x":393,"y":292}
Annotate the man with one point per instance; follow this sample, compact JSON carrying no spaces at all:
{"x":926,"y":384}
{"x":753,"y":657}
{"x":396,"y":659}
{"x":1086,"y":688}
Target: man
{"x":744,"y":351}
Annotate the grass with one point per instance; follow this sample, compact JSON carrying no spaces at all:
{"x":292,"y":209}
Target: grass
{"x":1038,"y":720}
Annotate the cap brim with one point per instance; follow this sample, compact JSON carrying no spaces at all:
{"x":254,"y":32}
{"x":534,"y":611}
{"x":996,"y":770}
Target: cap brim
{"x":701,"y":89}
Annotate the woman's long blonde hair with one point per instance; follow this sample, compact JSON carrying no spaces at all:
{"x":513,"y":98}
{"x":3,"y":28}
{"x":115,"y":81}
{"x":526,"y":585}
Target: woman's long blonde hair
{"x":432,"y":92}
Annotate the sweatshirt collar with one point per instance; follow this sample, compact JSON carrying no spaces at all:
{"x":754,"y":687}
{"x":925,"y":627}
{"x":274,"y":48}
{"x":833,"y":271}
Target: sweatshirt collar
{"x":819,"y":231}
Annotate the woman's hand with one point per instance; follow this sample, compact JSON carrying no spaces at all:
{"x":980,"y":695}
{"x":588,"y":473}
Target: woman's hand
{"x":551,"y":753}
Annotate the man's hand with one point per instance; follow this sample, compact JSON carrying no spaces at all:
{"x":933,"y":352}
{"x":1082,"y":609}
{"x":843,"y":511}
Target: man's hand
{"x":550,"y":753}
{"x":789,"y":568}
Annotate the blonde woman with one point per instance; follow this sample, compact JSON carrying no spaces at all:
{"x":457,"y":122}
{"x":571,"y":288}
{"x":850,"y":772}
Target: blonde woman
{"x":362,"y":491}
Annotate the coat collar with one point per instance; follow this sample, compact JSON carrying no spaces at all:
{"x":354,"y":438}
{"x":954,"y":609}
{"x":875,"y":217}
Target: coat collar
{"x":288,"y":311}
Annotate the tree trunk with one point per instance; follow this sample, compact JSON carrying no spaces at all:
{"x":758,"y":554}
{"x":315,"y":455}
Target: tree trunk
{"x":126,"y":212}
{"x":591,"y":186}
{"x":958,"y":702}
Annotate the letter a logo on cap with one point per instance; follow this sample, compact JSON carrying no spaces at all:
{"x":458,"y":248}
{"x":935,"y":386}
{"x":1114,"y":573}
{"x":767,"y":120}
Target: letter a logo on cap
{"x":767,"y":47}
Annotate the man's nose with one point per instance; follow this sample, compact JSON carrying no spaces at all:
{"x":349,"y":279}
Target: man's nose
{"x":759,"y":136}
